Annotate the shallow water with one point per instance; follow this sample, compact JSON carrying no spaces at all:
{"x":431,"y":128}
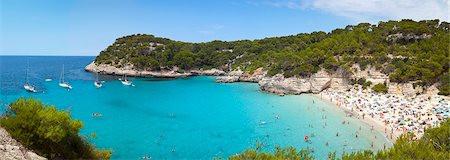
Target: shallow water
{"x":194,"y":117}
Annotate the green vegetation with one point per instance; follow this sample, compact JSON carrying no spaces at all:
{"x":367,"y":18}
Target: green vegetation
{"x":48,"y":132}
{"x":435,"y":144}
{"x":405,"y":50}
{"x":381,"y":87}
{"x":361,"y":81}
{"x":444,"y":84}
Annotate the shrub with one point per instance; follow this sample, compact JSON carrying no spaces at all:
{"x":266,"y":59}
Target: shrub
{"x":381,"y":87}
{"x":49,"y":132}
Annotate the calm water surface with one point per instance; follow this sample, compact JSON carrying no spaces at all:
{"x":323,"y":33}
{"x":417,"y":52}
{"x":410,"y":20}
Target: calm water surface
{"x":189,"y":118}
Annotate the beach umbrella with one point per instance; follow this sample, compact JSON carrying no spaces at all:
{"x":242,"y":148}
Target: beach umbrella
{"x":402,"y":122}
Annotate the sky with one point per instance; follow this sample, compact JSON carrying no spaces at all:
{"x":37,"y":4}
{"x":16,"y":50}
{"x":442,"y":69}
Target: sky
{"x":85,"y":27}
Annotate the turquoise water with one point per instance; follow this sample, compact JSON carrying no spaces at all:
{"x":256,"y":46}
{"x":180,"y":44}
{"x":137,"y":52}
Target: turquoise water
{"x":188,"y":118}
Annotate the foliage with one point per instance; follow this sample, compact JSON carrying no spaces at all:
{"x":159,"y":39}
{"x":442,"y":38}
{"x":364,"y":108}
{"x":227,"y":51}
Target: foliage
{"x":381,"y":87}
{"x":49,"y":132}
{"x":284,"y":153}
{"x":406,"y":50}
{"x":361,"y":81}
{"x":435,"y":144}
{"x":444,"y":84}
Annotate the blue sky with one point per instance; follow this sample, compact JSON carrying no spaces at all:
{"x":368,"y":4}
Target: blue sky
{"x":85,"y":27}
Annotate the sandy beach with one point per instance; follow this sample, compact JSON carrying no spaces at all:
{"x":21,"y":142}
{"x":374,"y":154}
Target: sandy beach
{"x":391,"y":115}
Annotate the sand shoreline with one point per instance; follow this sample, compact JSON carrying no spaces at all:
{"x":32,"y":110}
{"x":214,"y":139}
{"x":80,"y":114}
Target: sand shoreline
{"x":392,"y":115}
{"x":367,"y":119}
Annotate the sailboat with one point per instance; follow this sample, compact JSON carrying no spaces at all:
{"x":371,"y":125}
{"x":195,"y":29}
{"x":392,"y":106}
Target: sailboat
{"x":61,"y":80}
{"x":125,"y":81}
{"x":97,"y":83}
{"x":27,"y":86}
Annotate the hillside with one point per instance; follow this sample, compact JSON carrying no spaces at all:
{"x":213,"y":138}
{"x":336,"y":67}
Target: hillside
{"x":406,"y":51}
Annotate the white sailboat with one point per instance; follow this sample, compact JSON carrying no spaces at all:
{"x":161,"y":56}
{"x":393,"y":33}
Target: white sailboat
{"x":125,"y":81}
{"x":27,"y":85}
{"x":61,"y":80}
{"x":97,"y":83}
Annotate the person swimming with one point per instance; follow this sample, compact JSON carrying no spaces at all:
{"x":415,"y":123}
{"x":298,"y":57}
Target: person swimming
{"x":146,"y":157}
{"x":96,"y":115}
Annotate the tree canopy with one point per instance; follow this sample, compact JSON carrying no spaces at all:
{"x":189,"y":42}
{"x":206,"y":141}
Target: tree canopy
{"x":405,"y":50}
{"x":48,"y":132}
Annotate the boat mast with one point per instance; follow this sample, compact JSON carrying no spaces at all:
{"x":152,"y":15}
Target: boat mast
{"x":28,"y":63}
{"x":61,"y":78}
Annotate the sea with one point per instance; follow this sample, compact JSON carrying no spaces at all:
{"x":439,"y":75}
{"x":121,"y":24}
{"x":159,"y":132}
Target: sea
{"x":184,"y":118}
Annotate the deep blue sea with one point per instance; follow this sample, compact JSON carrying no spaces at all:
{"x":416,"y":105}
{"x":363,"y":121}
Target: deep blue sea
{"x":186,"y":118}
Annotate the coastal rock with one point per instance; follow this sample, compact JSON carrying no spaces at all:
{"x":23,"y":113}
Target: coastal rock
{"x":10,"y":149}
{"x":240,"y":76}
{"x":209,"y":72}
{"x":370,"y":74}
{"x":227,"y":79}
{"x":278,"y":84}
{"x":406,"y":89}
{"x":170,"y":73}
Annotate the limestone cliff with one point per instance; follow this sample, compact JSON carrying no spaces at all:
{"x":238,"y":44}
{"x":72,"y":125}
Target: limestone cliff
{"x":168,"y":73}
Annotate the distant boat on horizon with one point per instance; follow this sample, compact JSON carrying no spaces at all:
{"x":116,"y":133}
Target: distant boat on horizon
{"x":27,"y":86}
{"x":61,"y":80}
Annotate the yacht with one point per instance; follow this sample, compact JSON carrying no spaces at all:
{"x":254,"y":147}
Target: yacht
{"x":125,"y":81}
{"x":27,"y":86}
{"x":61,"y":81}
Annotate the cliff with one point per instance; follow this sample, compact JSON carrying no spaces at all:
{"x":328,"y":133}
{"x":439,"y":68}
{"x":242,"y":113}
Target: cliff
{"x":11,"y":149}
{"x":129,"y":71}
{"x":321,"y":80}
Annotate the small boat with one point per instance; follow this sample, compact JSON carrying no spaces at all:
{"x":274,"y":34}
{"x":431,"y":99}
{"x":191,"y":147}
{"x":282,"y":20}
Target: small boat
{"x":27,"y":85}
{"x":125,"y":81}
{"x":97,"y":83}
{"x":263,"y":122}
{"x":48,"y":80}
{"x":96,"y":115}
{"x":61,"y":81}
{"x":29,"y":88}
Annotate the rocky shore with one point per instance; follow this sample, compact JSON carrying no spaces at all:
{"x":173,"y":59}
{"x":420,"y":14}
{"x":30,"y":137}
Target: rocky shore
{"x":277,"y":84}
{"x":129,"y":71}
{"x":10,"y":149}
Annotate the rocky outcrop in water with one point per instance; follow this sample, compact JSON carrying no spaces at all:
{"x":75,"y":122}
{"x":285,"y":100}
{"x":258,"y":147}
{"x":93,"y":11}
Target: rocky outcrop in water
{"x":10,"y":149}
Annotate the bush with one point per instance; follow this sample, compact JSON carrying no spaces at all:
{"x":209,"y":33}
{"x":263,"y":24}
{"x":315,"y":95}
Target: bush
{"x":48,"y":132}
{"x":381,"y":87}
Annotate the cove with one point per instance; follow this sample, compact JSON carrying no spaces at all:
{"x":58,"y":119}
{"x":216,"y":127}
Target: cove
{"x":187,"y":118}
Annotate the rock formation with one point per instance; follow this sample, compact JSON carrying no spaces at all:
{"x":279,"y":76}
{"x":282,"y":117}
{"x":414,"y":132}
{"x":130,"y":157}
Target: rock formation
{"x":10,"y":149}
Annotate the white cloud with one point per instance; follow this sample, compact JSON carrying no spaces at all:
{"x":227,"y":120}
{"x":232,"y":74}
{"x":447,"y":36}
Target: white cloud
{"x":372,"y":10}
